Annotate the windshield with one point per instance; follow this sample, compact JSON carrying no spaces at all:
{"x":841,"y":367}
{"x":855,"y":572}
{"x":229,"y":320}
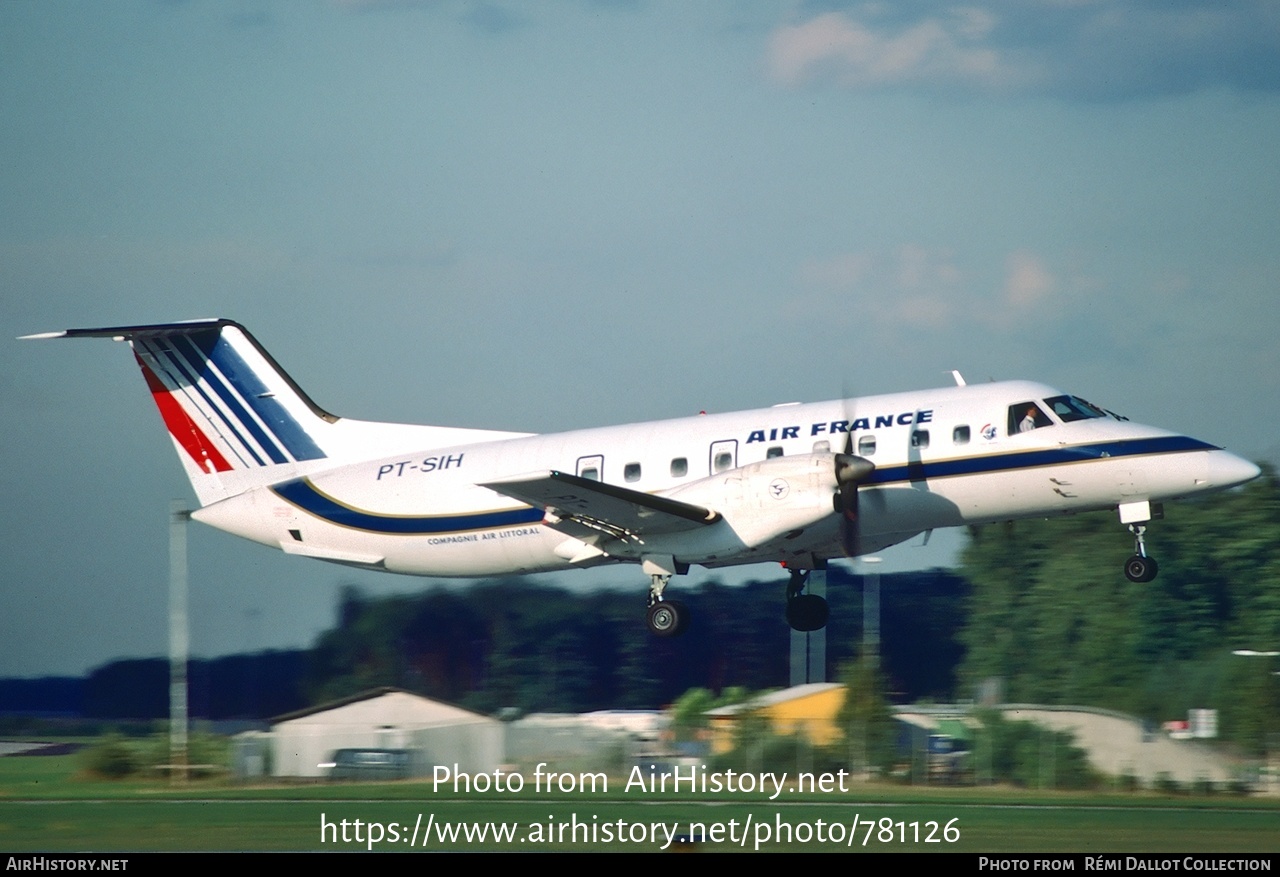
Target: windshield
{"x":1070,"y":408}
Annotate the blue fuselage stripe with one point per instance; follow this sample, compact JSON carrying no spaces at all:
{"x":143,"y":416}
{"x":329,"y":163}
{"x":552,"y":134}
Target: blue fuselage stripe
{"x":1173,"y":444}
{"x":303,"y":494}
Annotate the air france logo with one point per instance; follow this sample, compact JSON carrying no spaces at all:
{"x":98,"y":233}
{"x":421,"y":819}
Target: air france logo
{"x":988,"y":432}
{"x":839,"y":427}
{"x":779,"y":488}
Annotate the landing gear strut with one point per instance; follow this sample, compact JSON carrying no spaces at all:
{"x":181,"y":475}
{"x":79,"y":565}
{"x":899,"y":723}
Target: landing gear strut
{"x":1140,"y":567}
{"x":804,"y":611}
{"x":665,"y":617}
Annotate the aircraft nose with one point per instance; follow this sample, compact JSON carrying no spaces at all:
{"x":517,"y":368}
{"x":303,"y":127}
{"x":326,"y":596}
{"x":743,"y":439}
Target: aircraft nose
{"x":1228,"y":470}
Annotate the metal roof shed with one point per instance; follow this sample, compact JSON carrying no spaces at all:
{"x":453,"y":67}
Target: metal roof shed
{"x":386,"y":718}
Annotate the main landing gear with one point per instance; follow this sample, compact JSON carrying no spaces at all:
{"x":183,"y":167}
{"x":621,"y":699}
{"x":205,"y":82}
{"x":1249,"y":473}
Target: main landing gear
{"x":1140,"y":567}
{"x":665,"y":617}
{"x":804,"y":611}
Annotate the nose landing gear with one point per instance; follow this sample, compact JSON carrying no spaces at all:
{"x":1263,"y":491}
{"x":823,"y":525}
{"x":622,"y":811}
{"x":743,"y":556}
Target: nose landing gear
{"x":1139,"y":568}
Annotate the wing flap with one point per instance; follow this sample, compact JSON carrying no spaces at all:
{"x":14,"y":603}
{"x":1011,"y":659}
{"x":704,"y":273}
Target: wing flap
{"x":587,"y":509}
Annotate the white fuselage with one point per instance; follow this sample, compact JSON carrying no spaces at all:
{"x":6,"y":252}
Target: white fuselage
{"x":942,"y":458}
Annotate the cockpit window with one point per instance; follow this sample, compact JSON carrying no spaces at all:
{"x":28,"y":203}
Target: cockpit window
{"x":1026,"y":416}
{"x":1069,"y":409}
{"x":1106,"y":412}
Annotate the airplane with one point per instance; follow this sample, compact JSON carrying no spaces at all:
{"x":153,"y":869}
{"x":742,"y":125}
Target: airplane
{"x":796,"y":484}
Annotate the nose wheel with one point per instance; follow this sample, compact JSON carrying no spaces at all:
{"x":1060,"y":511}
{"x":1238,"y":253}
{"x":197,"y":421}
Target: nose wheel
{"x":1140,"y":568}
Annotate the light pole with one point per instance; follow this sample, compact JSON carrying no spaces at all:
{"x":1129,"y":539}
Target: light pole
{"x":179,"y":642}
{"x":1267,"y":717}
{"x":870,"y":653}
{"x":871,"y":610}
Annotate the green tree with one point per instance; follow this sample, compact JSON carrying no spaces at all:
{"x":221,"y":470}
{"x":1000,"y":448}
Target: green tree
{"x":1028,"y":755}
{"x":110,"y":758}
{"x":1050,"y":613}
{"x":865,"y":719}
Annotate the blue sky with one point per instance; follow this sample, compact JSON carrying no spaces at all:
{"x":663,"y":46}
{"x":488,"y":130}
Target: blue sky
{"x":547,"y":216}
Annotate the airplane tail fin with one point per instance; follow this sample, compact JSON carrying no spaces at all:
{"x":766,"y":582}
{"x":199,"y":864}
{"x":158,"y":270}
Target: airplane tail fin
{"x":236,"y":418}
{"x":238,"y":421}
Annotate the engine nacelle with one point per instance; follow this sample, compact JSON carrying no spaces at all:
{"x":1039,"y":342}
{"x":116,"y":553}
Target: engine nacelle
{"x":759,"y":503}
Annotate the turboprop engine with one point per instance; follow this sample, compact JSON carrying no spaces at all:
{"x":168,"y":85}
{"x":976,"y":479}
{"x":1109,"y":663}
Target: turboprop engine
{"x":769,"y":500}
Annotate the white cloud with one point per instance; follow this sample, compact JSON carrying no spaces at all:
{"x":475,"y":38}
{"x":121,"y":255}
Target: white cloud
{"x":838,"y":273}
{"x":919,"y":288}
{"x":1096,"y":49}
{"x":914,"y":287}
{"x":854,"y":54}
{"x":1027,"y":281}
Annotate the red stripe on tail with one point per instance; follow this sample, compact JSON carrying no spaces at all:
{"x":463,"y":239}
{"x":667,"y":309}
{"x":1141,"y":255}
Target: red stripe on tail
{"x":181,"y":427}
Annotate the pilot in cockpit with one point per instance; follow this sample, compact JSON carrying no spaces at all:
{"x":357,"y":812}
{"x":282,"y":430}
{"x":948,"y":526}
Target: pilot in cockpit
{"x":1029,"y":422}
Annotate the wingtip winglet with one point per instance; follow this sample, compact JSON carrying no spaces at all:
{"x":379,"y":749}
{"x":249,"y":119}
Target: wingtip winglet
{"x":40,"y":336}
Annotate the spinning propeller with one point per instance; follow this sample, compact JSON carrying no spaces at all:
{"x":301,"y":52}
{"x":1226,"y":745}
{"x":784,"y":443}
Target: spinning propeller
{"x":851,"y":472}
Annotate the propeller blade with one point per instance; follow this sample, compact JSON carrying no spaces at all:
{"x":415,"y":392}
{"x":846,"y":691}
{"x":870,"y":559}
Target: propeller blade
{"x":851,"y":472}
{"x":850,"y":540}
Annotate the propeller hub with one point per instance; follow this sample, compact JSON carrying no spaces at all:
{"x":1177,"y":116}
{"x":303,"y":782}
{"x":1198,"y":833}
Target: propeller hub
{"x":852,"y":469}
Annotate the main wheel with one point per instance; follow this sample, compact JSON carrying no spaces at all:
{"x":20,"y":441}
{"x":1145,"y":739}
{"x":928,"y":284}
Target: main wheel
{"x":1140,"y":569}
{"x":807,"y":612}
{"x":667,"y":618}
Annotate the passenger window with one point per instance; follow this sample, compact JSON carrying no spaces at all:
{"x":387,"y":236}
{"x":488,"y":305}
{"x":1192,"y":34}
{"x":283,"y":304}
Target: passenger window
{"x":822,"y":447}
{"x":590,"y":467}
{"x":723,"y":461}
{"x":867,"y":445}
{"x":631,"y":472}
{"x":920,"y":438}
{"x":774,"y":451}
{"x":960,"y":435}
{"x":679,"y":467}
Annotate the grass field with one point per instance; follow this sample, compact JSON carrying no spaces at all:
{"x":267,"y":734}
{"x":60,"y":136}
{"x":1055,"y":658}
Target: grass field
{"x":45,"y":806}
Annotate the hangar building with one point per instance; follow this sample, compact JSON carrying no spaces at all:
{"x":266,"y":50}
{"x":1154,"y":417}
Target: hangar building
{"x":385,"y":718}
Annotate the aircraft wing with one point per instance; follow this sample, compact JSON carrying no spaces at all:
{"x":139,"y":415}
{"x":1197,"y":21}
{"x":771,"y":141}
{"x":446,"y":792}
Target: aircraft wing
{"x":585,"y":509}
